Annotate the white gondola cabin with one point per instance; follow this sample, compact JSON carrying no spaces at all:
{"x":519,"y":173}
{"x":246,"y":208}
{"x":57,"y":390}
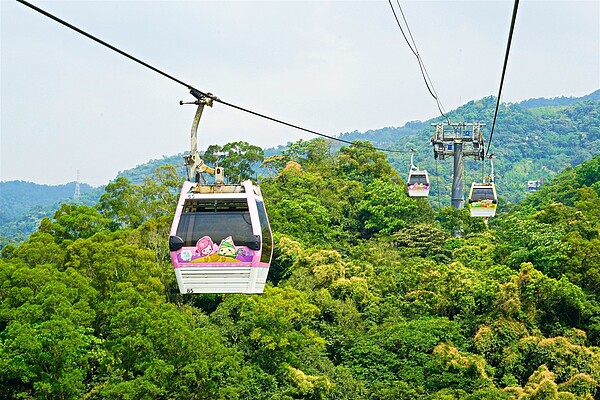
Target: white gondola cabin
{"x":220,"y":240}
{"x":418,"y":183}
{"x":483,"y":200}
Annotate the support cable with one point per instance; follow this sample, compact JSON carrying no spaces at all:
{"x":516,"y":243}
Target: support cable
{"x":415,"y":51}
{"x":510,"y":35}
{"x":191,"y":88}
{"x":437,"y":98}
{"x":483,"y":169}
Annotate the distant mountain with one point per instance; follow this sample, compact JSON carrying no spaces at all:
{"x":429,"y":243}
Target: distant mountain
{"x":16,"y":197}
{"x":559,"y":101}
{"x":24,"y":204}
{"x":528,"y":142}
{"x":138,"y":173}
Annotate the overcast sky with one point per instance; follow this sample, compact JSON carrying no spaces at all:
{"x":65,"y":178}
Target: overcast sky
{"x":69,"y":104}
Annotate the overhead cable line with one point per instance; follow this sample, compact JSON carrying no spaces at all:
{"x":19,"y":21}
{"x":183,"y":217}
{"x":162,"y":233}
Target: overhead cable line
{"x":421,"y":63}
{"x":191,"y":88}
{"x":510,"y":34}
{"x":404,"y":35}
{"x":415,"y":51}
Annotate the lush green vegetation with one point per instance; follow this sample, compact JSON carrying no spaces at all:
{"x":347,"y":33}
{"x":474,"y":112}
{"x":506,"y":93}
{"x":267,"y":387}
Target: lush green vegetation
{"x":16,"y":197}
{"x":24,"y":204}
{"x":370,"y":295}
{"x":534,"y":139}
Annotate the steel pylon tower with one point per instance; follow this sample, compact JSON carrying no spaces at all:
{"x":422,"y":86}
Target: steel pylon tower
{"x":458,"y":140}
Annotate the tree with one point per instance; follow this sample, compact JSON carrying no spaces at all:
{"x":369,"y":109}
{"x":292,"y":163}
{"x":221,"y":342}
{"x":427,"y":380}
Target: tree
{"x":238,"y":159}
{"x":386,"y":208}
{"x":361,"y":162}
{"x":73,"y":221}
{"x":312,"y":207}
{"x":273,"y":330}
{"x":122,"y":202}
{"x":130,"y":205}
{"x":160,"y":192}
{"x":451,"y":368}
{"x":458,"y":222}
{"x":526,"y":240}
{"x":46,"y":341}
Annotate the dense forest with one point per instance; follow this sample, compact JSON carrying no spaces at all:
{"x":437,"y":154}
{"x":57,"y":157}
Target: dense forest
{"x":371,"y":294}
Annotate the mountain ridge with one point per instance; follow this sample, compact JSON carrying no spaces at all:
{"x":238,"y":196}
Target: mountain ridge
{"x":537,"y":138}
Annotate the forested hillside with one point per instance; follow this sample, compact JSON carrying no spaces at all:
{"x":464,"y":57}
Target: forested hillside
{"x":24,"y":204}
{"x":19,"y":196}
{"x":534,"y":139}
{"x":370,"y":295}
{"x":559,"y":101}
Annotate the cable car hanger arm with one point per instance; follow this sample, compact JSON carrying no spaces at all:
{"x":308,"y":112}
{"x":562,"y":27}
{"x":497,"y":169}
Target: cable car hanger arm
{"x":196,"y":164}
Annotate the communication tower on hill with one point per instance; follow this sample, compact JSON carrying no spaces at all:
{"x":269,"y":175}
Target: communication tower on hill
{"x":77,"y":194}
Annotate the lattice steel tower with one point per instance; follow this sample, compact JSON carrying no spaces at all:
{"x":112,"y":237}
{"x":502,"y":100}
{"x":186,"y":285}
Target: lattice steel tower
{"x":77,"y":194}
{"x":458,"y":140}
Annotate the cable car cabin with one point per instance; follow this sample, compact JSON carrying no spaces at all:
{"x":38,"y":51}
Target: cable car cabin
{"x":418,"y":183}
{"x":483,"y":200}
{"x":220,"y":239}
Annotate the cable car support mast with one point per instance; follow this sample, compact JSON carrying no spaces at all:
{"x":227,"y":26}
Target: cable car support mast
{"x":458,"y":140}
{"x":194,"y":164}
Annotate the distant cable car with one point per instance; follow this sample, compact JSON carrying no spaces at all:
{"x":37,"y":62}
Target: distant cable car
{"x":534,"y":186}
{"x":220,"y":239}
{"x":418,"y":181}
{"x":483,"y":199}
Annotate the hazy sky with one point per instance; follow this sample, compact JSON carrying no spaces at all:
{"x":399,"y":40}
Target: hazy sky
{"x":69,"y":104}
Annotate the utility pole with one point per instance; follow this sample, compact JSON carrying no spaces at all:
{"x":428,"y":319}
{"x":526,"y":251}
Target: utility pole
{"x":458,"y":140}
